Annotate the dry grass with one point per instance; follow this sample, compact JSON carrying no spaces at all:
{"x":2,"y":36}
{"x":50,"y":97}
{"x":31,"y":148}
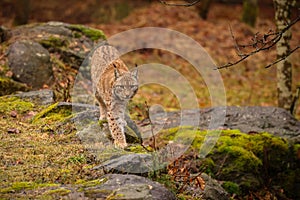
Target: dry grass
{"x":42,"y":152}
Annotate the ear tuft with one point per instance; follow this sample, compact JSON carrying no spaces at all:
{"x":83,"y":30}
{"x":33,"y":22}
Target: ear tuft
{"x":135,"y":71}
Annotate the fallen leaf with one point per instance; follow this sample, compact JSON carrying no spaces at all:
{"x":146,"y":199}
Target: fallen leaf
{"x":13,"y":130}
{"x":14,"y":114}
{"x":200,"y":182}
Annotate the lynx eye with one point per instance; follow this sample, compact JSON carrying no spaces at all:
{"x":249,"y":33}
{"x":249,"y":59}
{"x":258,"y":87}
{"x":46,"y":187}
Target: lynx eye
{"x":134,"y":87}
{"x":120,"y":86}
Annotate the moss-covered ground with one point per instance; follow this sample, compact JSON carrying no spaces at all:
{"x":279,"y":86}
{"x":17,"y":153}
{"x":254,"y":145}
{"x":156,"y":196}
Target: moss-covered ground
{"x":40,"y":154}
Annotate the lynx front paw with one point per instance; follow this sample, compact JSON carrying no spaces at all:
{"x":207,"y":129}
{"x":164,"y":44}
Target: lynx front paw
{"x":121,"y":145}
{"x":102,"y":117}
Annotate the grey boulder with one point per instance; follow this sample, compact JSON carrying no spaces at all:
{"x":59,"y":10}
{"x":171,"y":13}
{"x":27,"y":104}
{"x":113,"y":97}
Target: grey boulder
{"x":129,"y":187}
{"x":30,"y":63}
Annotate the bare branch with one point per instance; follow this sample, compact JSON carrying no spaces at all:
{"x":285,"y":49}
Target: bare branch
{"x":260,"y":43}
{"x":283,"y":58}
{"x":178,"y":4}
{"x":237,"y":47}
{"x":152,"y":126}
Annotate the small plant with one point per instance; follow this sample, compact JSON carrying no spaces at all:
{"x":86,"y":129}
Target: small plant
{"x":180,"y":171}
{"x":77,"y":159}
{"x":231,"y":187}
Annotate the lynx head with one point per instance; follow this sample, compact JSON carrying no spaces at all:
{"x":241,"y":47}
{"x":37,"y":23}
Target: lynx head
{"x":126,"y":84}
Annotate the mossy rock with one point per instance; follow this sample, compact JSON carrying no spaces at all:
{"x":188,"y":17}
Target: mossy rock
{"x":68,"y":45}
{"x":20,"y":186}
{"x":248,"y":161}
{"x":117,"y":186}
{"x":9,"y":103}
{"x":91,"y":33}
{"x":9,"y":86}
{"x":53,"y":41}
{"x":53,"y":113}
{"x":57,"y":192}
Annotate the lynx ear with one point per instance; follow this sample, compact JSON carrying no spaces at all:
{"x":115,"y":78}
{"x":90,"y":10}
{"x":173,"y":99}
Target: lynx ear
{"x":116,"y":71}
{"x":135,"y":71}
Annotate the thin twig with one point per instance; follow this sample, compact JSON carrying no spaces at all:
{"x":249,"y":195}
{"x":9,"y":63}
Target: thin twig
{"x":283,"y":58}
{"x":235,"y":43}
{"x":263,"y":43}
{"x":183,"y":4}
{"x":151,"y":124}
{"x":222,"y":164}
{"x":144,"y":147}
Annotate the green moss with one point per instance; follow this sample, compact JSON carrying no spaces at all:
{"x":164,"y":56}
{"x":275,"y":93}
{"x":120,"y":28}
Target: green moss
{"x":77,"y":159}
{"x":296,"y":148}
{"x":231,"y":187}
{"x":239,"y":157}
{"x":114,"y":196}
{"x":58,"y":191}
{"x":165,"y":179}
{"x":178,"y":133}
{"x":89,"y":187}
{"x":44,"y":112}
{"x":77,"y":35}
{"x":244,"y":159}
{"x":19,"y":186}
{"x":4,"y":68}
{"x":110,"y":152}
{"x":138,"y":149}
{"x":187,"y":197}
{"x":9,"y":86}
{"x":93,"y":34}
{"x":208,"y":165}
{"x":53,"y":113}
{"x":54,"y":42}
{"x":87,"y":184}
{"x":8,"y":104}
{"x":57,"y":62}
{"x":102,"y":122}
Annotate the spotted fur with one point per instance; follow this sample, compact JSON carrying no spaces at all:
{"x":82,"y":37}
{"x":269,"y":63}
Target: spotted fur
{"x":114,"y":85}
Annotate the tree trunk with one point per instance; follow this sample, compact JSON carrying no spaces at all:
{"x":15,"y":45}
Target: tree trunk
{"x":203,"y":8}
{"x":22,"y":8}
{"x":250,"y":10}
{"x":284,"y":68}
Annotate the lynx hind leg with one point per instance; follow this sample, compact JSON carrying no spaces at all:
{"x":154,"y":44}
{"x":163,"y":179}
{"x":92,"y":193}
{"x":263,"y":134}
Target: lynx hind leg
{"x":102,"y":107}
{"x":117,"y":132}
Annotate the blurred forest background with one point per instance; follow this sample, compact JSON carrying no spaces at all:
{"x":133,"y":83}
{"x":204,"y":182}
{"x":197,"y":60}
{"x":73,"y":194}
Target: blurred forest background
{"x":208,"y":22}
{"x":41,"y":145}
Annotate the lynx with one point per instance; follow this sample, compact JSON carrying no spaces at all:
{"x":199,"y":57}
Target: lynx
{"x":114,"y":85}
